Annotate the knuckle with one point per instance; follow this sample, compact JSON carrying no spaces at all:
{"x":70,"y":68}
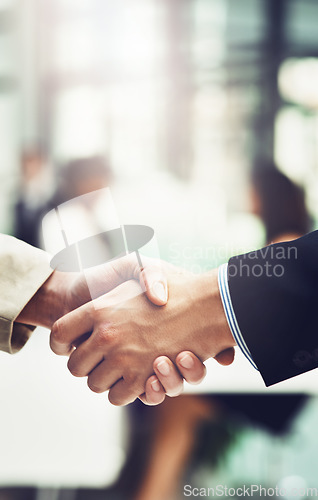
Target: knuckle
{"x":54,"y":347}
{"x":95,"y":387}
{"x":75,"y":369}
{"x":115,"y":399}
{"x":123,"y":395}
{"x":76,"y":373}
{"x":103,"y":336}
{"x":57,"y":332}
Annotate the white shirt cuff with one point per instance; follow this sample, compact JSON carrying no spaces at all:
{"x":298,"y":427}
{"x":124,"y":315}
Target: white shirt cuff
{"x":230,"y":315}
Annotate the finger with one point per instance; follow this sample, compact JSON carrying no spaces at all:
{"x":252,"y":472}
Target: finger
{"x":154,"y":392}
{"x":84,"y":359}
{"x":191,"y":367}
{"x":103,"y":377}
{"x":123,"y":393}
{"x":101,"y":279}
{"x":154,"y":283}
{"x":92,"y":352}
{"x":168,"y":375}
{"x":71,"y":327}
{"x":104,"y":278}
{"x":226,"y":357}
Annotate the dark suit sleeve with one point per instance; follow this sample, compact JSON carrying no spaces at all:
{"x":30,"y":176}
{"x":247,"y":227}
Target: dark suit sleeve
{"x":274,"y":293}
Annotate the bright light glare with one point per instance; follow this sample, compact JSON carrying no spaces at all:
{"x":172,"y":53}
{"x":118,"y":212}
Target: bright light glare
{"x":135,"y":43}
{"x":79,"y":125}
{"x":292,"y":153}
{"x":75,"y":46}
{"x":298,"y":81}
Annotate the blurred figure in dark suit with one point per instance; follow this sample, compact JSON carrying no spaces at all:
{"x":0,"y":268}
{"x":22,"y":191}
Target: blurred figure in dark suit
{"x":81,"y":176}
{"x":279,"y":203}
{"x":36,"y":187}
{"x":40,"y":191}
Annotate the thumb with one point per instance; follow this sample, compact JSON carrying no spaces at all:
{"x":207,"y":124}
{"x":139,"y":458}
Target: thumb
{"x":154,"y":283}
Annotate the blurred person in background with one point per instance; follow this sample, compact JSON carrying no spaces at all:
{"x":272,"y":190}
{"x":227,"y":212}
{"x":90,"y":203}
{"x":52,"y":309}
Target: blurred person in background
{"x":81,"y":176}
{"x":40,"y":192}
{"x":190,"y":427}
{"x":73,"y":180}
{"x":280,"y":204}
{"x":35,"y":188}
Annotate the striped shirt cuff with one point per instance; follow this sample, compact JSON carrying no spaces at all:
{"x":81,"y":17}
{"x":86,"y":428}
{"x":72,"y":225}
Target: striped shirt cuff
{"x":230,"y":315}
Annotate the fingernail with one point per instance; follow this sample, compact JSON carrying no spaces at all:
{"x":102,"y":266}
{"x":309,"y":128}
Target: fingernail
{"x":164,"y":368}
{"x":160,"y":291}
{"x":155,"y":385}
{"x":187,"y":361}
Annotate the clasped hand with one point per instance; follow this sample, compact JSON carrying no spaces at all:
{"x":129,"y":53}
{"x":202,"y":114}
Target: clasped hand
{"x":136,"y":345}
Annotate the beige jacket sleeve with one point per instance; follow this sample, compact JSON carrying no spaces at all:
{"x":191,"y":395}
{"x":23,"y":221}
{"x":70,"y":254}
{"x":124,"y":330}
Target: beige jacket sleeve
{"x":23,"y":269}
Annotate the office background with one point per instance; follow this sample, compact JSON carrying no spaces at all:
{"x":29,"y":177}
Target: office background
{"x":182,"y":97}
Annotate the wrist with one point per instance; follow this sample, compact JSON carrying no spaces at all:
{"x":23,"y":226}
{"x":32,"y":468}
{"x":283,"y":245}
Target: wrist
{"x":48,"y":304}
{"x":216,"y":334}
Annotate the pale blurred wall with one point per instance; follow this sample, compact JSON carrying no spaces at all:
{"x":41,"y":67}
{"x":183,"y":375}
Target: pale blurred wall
{"x":19,"y":91}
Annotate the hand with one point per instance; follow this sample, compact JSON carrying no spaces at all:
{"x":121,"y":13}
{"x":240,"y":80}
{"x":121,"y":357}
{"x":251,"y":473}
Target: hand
{"x":169,"y":377}
{"x":63,"y":292}
{"x":170,"y":380}
{"x":125,"y":340}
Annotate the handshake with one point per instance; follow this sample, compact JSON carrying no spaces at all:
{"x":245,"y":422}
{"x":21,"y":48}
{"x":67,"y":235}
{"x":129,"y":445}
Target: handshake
{"x":138,"y":337}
